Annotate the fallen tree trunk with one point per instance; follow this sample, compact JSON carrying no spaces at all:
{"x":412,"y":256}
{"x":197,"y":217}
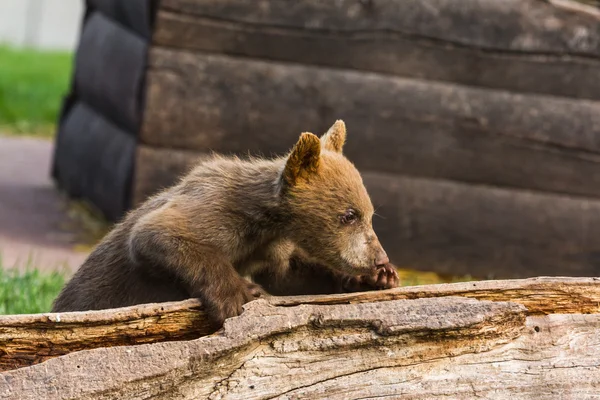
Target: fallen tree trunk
{"x":30,"y":339}
{"x":361,"y":345}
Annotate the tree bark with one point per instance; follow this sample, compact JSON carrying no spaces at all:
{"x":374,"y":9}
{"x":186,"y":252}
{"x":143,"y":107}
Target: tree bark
{"x":355,"y":346}
{"x":30,"y":339}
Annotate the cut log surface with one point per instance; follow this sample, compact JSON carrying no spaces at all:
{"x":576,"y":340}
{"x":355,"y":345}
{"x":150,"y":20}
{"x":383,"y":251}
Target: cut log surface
{"x":109,"y":71}
{"x":451,"y":228}
{"x":518,"y":45}
{"x":423,"y":348}
{"x":426,"y":129}
{"x":31,"y":339}
{"x":94,"y":160}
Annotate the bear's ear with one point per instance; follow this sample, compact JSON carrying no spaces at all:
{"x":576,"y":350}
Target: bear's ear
{"x":303,"y":159}
{"x":335,"y":137}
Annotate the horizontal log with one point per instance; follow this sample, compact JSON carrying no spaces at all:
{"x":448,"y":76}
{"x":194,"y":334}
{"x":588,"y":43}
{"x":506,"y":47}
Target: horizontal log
{"x":94,"y":160}
{"x":30,"y":339}
{"x":458,"y":229}
{"x":430,"y":348}
{"x":230,"y":105}
{"x":452,"y":228}
{"x":526,"y":46}
{"x":109,"y":71}
{"x":586,"y":6}
{"x":157,"y":169}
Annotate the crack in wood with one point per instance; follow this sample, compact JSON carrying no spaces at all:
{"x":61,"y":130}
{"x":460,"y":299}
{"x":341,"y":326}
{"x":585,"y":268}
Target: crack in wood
{"x":374,"y":34}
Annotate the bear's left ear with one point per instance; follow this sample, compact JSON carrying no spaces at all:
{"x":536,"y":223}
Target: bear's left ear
{"x":335,"y":137}
{"x":303,"y":159}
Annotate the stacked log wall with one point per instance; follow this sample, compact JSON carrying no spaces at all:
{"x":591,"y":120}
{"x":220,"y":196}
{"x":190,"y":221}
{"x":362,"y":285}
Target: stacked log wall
{"x":475,"y":124}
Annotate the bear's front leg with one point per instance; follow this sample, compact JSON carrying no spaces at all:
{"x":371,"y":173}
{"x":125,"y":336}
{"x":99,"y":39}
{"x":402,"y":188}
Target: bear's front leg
{"x":163,"y":239}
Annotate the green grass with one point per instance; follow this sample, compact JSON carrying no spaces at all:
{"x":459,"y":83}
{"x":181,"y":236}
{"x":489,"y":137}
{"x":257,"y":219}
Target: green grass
{"x":32,"y":85}
{"x":28,"y":291}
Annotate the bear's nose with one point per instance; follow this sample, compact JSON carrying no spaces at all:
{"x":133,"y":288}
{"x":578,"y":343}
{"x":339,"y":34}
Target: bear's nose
{"x":381,"y":259}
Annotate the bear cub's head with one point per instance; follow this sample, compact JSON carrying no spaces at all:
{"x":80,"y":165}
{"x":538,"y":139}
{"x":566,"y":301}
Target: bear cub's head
{"x":330,"y":208}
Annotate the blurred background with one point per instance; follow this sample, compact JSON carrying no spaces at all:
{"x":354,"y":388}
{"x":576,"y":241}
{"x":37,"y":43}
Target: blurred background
{"x":476,"y":124}
{"x":39,"y":232}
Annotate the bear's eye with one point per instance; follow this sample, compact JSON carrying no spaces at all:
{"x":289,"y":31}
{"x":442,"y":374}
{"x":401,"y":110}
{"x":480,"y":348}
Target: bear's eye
{"x":349,"y":217}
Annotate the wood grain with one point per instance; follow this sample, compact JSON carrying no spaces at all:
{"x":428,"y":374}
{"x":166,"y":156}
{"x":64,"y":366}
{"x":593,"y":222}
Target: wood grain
{"x":424,"y":348}
{"x":517,"y":45}
{"x":425,"y":129}
{"x":31,"y":339}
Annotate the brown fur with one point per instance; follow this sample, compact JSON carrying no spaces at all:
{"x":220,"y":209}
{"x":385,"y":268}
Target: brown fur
{"x":284,"y":222}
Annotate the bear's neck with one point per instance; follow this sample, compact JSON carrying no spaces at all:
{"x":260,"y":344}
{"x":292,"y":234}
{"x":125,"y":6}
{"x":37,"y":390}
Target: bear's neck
{"x":260,"y":200}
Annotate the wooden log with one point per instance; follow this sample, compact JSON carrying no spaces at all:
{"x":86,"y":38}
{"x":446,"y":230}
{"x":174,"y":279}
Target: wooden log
{"x":30,"y":339}
{"x":452,"y":228}
{"x":586,"y":6}
{"x":109,"y":71}
{"x":355,"y":346}
{"x":230,"y":105}
{"x":156,"y":169}
{"x":94,"y":160}
{"x":458,"y":229}
{"x":518,"y":45}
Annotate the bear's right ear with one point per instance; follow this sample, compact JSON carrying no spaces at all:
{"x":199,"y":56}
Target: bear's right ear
{"x":335,"y":137}
{"x":303,"y":159}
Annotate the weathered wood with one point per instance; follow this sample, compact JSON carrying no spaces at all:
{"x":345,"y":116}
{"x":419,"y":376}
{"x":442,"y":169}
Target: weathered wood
{"x":94,"y":160}
{"x":31,"y":339}
{"x":459,"y":229}
{"x":540,"y":296}
{"x":425,"y":348}
{"x":156,"y":169}
{"x":518,"y":45}
{"x":208,"y":102}
{"x":586,"y":6}
{"x":109,"y":70}
{"x":452,"y":228}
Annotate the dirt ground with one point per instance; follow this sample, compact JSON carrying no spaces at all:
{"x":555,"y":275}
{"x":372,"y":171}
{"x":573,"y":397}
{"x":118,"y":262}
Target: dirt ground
{"x":34,"y":217}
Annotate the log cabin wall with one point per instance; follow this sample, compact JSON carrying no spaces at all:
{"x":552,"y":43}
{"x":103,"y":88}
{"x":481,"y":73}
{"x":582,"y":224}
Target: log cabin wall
{"x":476,"y":124}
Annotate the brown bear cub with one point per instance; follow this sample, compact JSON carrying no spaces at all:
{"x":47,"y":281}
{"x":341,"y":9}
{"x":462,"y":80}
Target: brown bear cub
{"x":298,"y":224}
